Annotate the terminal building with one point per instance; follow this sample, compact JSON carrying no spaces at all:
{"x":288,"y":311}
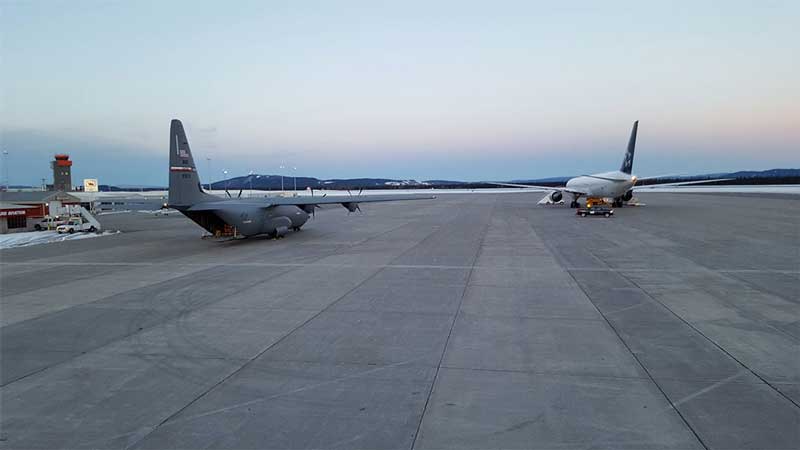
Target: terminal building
{"x":15,"y":217}
{"x":20,"y":211}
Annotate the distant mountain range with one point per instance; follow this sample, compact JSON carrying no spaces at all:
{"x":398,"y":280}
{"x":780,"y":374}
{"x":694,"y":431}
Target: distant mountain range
{"x":273,"y":182}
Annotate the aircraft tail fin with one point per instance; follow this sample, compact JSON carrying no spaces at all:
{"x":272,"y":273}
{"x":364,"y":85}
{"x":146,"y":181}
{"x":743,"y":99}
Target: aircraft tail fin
{"x":184,"y":183}
{"x":627,"y":163}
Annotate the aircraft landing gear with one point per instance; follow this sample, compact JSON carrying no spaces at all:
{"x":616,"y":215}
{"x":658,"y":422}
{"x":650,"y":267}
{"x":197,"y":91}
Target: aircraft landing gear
{"x":295,"y":228}
{"x":574,"y":204}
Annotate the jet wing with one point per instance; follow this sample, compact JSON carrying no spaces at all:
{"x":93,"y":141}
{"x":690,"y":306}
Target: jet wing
{"x":535,"y":188}
{"x":679,"y":183}
{"x":267,"y":202}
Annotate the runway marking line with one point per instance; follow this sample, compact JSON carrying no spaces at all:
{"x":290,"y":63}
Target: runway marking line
{"x":387,"y":266}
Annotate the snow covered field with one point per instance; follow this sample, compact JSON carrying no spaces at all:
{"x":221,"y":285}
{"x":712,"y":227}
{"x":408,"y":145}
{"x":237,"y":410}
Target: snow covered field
{"x":44,"y":237}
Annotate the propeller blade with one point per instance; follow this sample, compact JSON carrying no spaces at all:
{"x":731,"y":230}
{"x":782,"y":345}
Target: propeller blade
{"x":349,"y":193}
{"x":228,"y":193}
{"x":360,"y":191}
{"x":240,"y":193}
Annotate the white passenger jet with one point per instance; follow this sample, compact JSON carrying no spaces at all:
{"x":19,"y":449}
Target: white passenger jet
{"x":617,"y":185}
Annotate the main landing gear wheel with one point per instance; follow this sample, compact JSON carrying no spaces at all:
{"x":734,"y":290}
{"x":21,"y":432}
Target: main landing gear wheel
{"x":296,"y":228}
{"x":574,"y":204}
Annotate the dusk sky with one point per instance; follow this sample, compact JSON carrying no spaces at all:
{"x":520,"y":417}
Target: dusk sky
{"x":409,"y":89}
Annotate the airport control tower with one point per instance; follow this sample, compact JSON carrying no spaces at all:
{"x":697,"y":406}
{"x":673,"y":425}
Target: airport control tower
{"x":62,"y":173}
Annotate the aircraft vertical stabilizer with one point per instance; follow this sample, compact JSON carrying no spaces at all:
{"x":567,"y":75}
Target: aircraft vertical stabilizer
{"x":627,"y":163}
{"x":184,"y":183}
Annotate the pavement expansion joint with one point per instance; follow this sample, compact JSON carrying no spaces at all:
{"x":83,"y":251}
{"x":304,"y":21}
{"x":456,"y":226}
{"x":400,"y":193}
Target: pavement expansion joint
{"x":475,"y":322}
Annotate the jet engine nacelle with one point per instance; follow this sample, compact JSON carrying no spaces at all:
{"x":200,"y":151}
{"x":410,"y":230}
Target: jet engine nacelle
{"x":556,"y":196}
{"x":628,"y":196}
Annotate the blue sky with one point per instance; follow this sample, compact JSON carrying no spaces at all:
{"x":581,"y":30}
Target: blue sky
{"x":412,"y":89}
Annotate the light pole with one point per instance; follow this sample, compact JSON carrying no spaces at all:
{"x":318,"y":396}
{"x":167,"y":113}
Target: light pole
{"x":251,"y":183}
{"x":208,"y":166}
{"x":225,"y":174}
{"x":295,"y":179}
{"x":281,"y":168}
{"x":5,"y":169}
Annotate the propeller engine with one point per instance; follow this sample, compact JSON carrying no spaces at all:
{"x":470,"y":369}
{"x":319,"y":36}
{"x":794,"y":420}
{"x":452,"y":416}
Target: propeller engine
{"x":352,"y":206}
{"x":310,"y":209}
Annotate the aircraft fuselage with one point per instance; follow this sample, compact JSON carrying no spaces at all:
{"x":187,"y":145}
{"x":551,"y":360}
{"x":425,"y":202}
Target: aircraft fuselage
{"x":251,"y":220}
{"x":608,"y":184}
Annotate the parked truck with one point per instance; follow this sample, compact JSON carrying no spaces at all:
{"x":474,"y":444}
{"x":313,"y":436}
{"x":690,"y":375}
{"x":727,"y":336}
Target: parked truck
{"x":84,"y":222}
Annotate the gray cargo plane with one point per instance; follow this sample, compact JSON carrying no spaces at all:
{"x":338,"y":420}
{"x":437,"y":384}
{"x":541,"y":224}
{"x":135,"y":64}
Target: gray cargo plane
{"x":272,"y":216}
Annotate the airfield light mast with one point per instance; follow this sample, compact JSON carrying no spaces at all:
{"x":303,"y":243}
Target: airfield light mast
{"x":5,"y":169}
{"x":210,"y":177}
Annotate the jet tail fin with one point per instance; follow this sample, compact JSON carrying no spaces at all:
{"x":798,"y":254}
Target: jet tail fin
{"x":184,"y":183}
{"x":627,"y":163}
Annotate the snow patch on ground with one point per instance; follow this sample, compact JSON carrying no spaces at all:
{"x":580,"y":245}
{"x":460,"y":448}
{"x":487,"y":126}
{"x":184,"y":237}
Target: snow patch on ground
{"x":12,"y":240}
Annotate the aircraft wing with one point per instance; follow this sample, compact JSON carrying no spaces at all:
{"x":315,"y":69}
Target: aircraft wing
{"x":679,"y":183}
{"x":535,"y":188}
{"x":334,"y":199}
{"x":635,"y":188}
{"x":267,"y":202}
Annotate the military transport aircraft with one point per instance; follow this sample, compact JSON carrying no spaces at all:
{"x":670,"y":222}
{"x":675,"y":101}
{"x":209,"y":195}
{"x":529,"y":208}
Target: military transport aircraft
{"x":233,"y":217}
{"x":617,"y":185}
